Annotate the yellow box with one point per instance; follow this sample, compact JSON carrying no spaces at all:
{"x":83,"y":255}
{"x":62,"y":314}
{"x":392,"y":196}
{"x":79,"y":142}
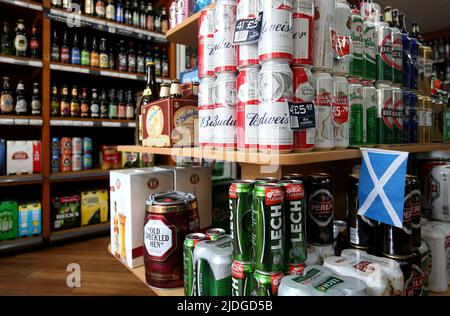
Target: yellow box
{"x":94,"y":207}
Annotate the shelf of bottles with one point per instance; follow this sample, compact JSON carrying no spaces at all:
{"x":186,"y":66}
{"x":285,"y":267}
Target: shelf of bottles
{"x":25,"y":4}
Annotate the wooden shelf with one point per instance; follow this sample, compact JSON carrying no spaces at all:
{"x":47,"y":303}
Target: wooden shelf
{"x":79,"y":175}
{"x":186,"y":32}
{"x":91,"y":122}
{"x":20,"y":120}
{"x":21,"y":61}
{"x":83,"y":231}
{"x":21,"y":243}
{"x":24,"y":3}
{"x":23,"y":179}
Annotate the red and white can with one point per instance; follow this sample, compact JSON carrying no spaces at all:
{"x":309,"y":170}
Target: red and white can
{"x":247,"y":108}
{"x":341,"y":38}
{"x":247,"y":54}
{"x":173,"y":14}
{"x":206,"y":111}
{"x":77,"y":164}
{"x":303,"y":92}
{"x":225,"y":111}
{"x":341,"y":111}
{"x":323,"y":93}
{"x":324,"y":15}
{"x":185,"y":8}
{"x":276,"y":41}
{"x":303,"y":29}
{"x":77,"y":145}
{"x":206,"y":44}
{"x":224,"y":48}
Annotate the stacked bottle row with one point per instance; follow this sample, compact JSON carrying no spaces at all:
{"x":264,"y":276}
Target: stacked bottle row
{"x":19,"y":42}
{"x":19,"y":103}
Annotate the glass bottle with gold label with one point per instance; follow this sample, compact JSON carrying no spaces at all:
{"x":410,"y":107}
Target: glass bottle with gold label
{"x":20,"y":41}
{"x":74,"y":103}
{"x":84,"y":107}
{"x":54,"y":106}
{"x":64,"y":104}
{"x":6,"y":100}
{"x":103,"y":54}
{"x":150,"y":94}
{"x":94,"y":54}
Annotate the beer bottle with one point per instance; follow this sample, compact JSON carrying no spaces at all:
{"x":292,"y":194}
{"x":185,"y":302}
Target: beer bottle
{"x":21,"y":103}
{"x":20,"y":41}
{"x":6,"y":45}
{"x":85,"y":53}
{"x":388,"y":16}
{"x":94,"y":54}
{"x":56,"y":3}
{"x":74,"y":103}
{"x":142,"y":15}
{"x":36,"y":106}
{"x":103,"y":54}
{"x":157,"y":60}
{"x":100,"y":9}
{"x":402,"y":21}
{"x":84,"y":107}
{"x":65,"y":105}
{"x":135,"y":10}
{"x":54,"y":106}
{"x":175,"y":89}
{"x":140,"y":60}
{"x":127,"y":13}
{"x":119,"y":11}
{"x":416,"y":32}
{"x":112,"y":109}
{"x":121,"y":105}
{"x":164,"y":20}
{"x":150,"y":22}
{"x":149,"y":95}
{"x":131,"y":59}
{"x":111,"y":58}
{"x":95,"y":108}
{"x":104,"y":104}
{"x":65,"y":52}
{"x":164,"y":91}
{"x":122,"y":63}
{"x":148,"y":55}
{"x":66,"y":3}
{"x":55,"y":48}
{"x":158,"y":21}
{"x":89,"y":7}
{"x":165,"y":65}
{"x":75,"y":58}
{"x":6,"y":99}
{"x":130,"y":106}
{"x":110,"y":10}
{"x":34,"y":43}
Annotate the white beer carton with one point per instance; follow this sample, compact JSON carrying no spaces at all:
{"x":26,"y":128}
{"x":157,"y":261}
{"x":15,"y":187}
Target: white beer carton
{"x":23,"y":157}
{"x":129,"y":189}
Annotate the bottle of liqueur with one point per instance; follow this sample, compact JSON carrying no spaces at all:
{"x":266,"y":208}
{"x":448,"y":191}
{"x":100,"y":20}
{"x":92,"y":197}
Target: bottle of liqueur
{"x":121,"y":105}
{"x":75,"y":55}
{"x":21,"y":102}
{"x":119,"y":11}
{"x":85,"y":55}
{"x":36,"y":106}
{"x":150,"y":23}
{"x":130,"y":106}
{"x":100,"y":9}
{"x":140,"y":61}
{"x":54,"y":103}
{"x":112,"y":109}
{"x":34,"y":43}
{"x":110,"y":10}
{"x":64,"y":103}
{"x":65,"y":51}
{"x":164,"y":20}
{"x":55,"y":48}
{"x":84,"y":103}
{"x":104,"y":104}
{"x":94,"y":54}
{"x":95,"y":106}
{"x":122,"y":58}
{"x":127,"y":13}
{"x":89,"y":7}
{"x":103,"y":54}
{"x":6,"y":44}
{"x":74,"y":103}
{"x":131,"y":59}
{"x":20,"y":41}
{"x":150,"y":94}
{"x":6,"y":99}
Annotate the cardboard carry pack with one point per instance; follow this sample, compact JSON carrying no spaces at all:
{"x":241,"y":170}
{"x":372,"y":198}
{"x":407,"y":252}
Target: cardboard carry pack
{"x":23,"y":157}
{"x":30,"y":219}
{"x":8,"y":220}
{"x":94,"y":207}
{"x":66,"y":212}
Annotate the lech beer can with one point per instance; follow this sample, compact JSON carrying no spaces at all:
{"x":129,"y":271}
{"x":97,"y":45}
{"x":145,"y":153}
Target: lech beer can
{"x":356,"y":105}
{"x":370,"y":113}
{"x":324,"y":16}
{"x":266,"y":283}
{"x":425,"y":62}
{"x":320,"y":209}
{"x":370,"y":52}
{"x":340,"y":112}
{"x":241,"y":278}
{"x":384,"y":119}
{"x":240,"y":199}
{"x":225,"y":111}
{"x":303,"y":28}
{"x":188,"y":262}
{"x":323,"y":93}
{"x":341,"y":38}
{"x":206,"y":107}
{"x":268,"y":227}
{"x":247,"y":53}
{"x":276,"y":41}
{"x":224,"y":49}
{"x":356,"y":45}
{"x":384,"y":52}
{"x":397,"y":57}
{"x":397,"y":115}
{"x":410,"y":121}
{"x":206,"y":43}
{"x":214,"y":233}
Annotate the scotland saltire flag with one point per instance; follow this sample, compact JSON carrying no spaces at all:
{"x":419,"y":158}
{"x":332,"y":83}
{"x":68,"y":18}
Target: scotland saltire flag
{"x":382,"y":185}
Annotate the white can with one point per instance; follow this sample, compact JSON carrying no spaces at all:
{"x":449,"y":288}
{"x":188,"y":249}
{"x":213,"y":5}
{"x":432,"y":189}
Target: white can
{"x":323,"y":93}
{"x":342,"y":27}
{"x":77,"y":145}
{"x":303,"y":29}
{"x":323,"y":251}
{"x":440,"y":203}
{"x":276,"y":41}
{"x":206,"y":44}
{"x":340,"y":112}
{"x":247,"y":54}
{"x":206,"y":107}
{"x":224,"y":49}
{"x":356,"y":45}
{"x":312,"y":257}
{"x":323,"y":25}
{"x":77,"y":162}
{"x":225,"y":111}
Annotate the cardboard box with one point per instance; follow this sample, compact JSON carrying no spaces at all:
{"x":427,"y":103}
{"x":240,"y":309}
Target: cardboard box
{"x":23,"y":157}
{"x":129,"y":190}
{"x":94,"y":207}
{"x":30,"y":219}
{"x":66,"y":212}
{"x":2,"y":157}
{"x":8,"y":220}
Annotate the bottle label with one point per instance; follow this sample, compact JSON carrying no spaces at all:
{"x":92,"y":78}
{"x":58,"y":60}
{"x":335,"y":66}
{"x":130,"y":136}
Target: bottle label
{"x":165,"y":69}
{"x":6,"y":103}
{"x":20,"y":43}
{"x":94,"y":109}
{"x":65,"y":55}
{"x":131,"y":62}
{"x":103,"y":60}
{"x":84,"y":108}
{"x":94,"y":59}
{"x":122,"y":62}
{"x":34,"y":44}
{"x":112,"y":111}
{"x":36,"y":105}
{"x":65,"y":108}
{"x":85,"y":58}
{"x":130,"y":112}
{"x":75,"y":56}
{"x":100,"y":8}
{"x":121,"y":111}
{"x":110,"y":12}
{"x":21,"y":106}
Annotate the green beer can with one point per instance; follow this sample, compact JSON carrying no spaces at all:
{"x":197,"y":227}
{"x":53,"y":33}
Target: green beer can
{"x":264,"y":180}
{"x":240,"y":197}
{"x":214,"y":233}
{"x":188,"y":262}
{"x":370,"y":52}
{"x":241,"y":278}
{"x":266,"y":283}
{"x":384,"y":52}
{"x":268,"y":227}
{"x":385,"y":124}
{"x":356,"y":45}
{"x":369,"y":113}
{"x":355,"y":99}
{"x":397,"y":115}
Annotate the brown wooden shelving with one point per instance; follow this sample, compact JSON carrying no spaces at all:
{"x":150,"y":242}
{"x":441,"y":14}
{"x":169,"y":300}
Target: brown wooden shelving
{"x":21,"y":61}
{"x":83,"y":231}
{"x":21,"y":120}
{"x":20,"y":243}
{"x":91,"y":122}
{"x":22,"y":179}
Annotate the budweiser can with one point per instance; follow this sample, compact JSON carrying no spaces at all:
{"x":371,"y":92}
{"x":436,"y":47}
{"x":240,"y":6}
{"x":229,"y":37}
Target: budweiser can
{"x":341,"y":38}
{"x":276,"y":41}
{"x":225,"y":110}
{"x":247,"y":53}
{"x":206,"y":111}
{"x":275,"y":91}
{"x":356,"y":102}
{"x":356,"y":45}
{"x":370,"y":113}
{"x":206,"y":44}
{"x":303,"y":28}
{"x":384,"y":52}
{"x":323,"y":24}
{"x":323,"y":92}
{"x":224,"y":50}
{"x":340,"y":108}
{"x":247,"y":108}
{"x":304,"y":139}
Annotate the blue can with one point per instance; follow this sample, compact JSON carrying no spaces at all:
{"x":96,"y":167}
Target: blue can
{"x":200,"y":4}
{"x":55,"y":163}
{"x":406,"y":60}
{"x":410,"y":119}
{"x":414,"y":67}
{"x":87,"y":162}
{"x":55,"y":146}
{"x":2,"y":157}
{"x":87,"y":146}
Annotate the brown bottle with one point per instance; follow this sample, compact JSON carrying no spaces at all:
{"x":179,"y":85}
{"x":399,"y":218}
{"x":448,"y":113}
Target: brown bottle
{"x":175,"y":89}
{"x":74,"y":103}
{"x":64,"y":104}
{"x":150,"y":94}
{"x":84,"y":107}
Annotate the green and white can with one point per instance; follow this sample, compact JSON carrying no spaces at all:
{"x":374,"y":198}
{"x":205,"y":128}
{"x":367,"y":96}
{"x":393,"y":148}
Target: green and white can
{"x":356,"y":101}
{"x":356,"y":45}
{"x":370,"y":52}
{"x":188,"y":262}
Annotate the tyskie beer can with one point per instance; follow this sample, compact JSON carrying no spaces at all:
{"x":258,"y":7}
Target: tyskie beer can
{"x":240,"y":201}
{"x":275,"y":91}
{"x":340,"y":112}
{"x":397,"y":57}
{"x":188,"y":263}
{"x":370,"y":52}
{"x":341,"y":38}
{"x":268,"y":227}
{"x":66,"y":163}
{"x":323,"y":94}
{"x":77,"y":162}
{"x":356,"y":45}
{"x":276,"y":40}
{"x":413,"y":201}
{"x":410,"y":119}
{"x":303,"y":29}
{"x":206,"y":106}
{"x":66,"y":146}
{"x":320,"y":209}
{"x":241,"y":278}
{"x":304,"y":139}
{"x":247,"y":53}
{"x":214,"y":233}
{"x":247,"y":108}
{"x":324,"y":16}
{"x":384,"y":52}
{"x":385,"y":124}
{"x":369,"y":113}
{"x":206,"y":43}
{"x":397,"y":115}
{"x":266,"y":283}
{"x":425,"y":62}
{"x":225,"y":111}
{"x":425,"y":119}
{"x":413,"y":74}
{"x":294,"y":221}
{"x":224,"y":49}
{"x":356,"y":106}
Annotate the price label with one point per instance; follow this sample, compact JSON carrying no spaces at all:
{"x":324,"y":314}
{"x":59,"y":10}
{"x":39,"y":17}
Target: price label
{"x":340,"y":45}
{"x":21,"y":122}
{"x":6,"y":121}
{"x":248,"y":30}
{"x":34,"y":122}
{"x":111,"y":124}
{"x":87,"y":124}
{"x":302,"y":115}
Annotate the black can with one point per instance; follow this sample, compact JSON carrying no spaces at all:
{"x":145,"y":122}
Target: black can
{"x":406,"y":267}
{"x":320,"y":209}
{"x":293,"y":176}
{"x":413,"y":201}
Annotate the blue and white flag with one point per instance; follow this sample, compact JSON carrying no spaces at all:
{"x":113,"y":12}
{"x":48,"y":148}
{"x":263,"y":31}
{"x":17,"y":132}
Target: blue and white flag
{"x":382,"y":185}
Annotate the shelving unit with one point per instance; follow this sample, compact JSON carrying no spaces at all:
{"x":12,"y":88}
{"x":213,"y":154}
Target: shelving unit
{"x":21,"y":243}
{"x":25,"y":4}
{"x":20,"y":120}
{"x":23,"y":179}
{"x":91,"y":122}
{"x":79,"y":175}
{"x":84,"y":231}
{"x":21,"y":61}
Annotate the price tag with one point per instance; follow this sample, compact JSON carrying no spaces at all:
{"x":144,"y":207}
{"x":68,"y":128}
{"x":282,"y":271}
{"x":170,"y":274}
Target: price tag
{"x":20,"y":121}
{"x":132,"y":124}
{"x":87,"y":124}
{"x":36,"y":122}
{"x":7,"y":60}
{"x":111,"y":124}
{"x":6,"y":121}
{"x":35,"y":63}
{"x":248,"y":30}
{"x":302,"y":115}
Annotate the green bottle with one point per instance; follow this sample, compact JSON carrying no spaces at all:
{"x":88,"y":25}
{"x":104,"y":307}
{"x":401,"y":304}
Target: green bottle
{"x":85,"y":52}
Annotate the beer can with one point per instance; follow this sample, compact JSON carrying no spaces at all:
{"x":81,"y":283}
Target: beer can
{"x":410,"y":119}
{"x":406,"y":59}
{"x":225,"y":111}
{"x":440,"y":192}
{"x":370,"y":52}
{"x":188,"y":263}
{"x":341,"y":109}
{"x":413,"y":75}
{"x":77,"y":164}
{"x":87,"y":162}
{"x":241,"y":278}
{"x":341,"y":43}
{"x":369,"y":113}
{"x":247,"y":53}
{"x":268,"y":227}
{"x":55,"y":146}
{"x":77,"y":145}
{"x":356,"y":45}
{"x":323,"y":24}
{"x":397,"y":115}
{"x":66,"y":163}
{"x":247,"y":108}
{"x":247,"y":9}
{"x":437,"y":106}
{"x":304,"y":139}
{"x":385,"y":126}
{"x":66,"y":146}
{"x":397,"y":57}
{"x":295,"y":269}
{"x":206,"y":107}
{"x":384,"y":52}
{"x":266,"y":283}
{"x":224,"y":49}
{"x":264,"y":180}
{"x":303,"y":29}
{"x":413,"y":201}
{"x":214,"y":233}
{"x":87,"y":146}
{"x":55,"y":163}
{"x":206,"y":43}
{"x":416,"y":277}
{"x":275,"y":91}
{"x":425,"y":69}
{"x":276,"y":40}
{"x":185,"y":8}
{"x":407,"y":269}
{"x":323,"y":92}
{"x":320,"y":209}
{"x":425,"y":119}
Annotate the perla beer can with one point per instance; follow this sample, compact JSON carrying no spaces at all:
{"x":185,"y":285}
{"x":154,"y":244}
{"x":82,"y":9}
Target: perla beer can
{"x":188,"y":262}
{"x":206,"y":107}
{"x":425,"y":62}
{"x":247,"y":108}
{"x":323,"y":93}
{"x":268,"y":227}
{"x":240,"y":201}
{"x":247,"y":53}
{"x":225,"y":110}
{"x":276,"y":41}
{"x":384,"y":119}
{"x":413,"y":74}
{"x":206,"y":43}
{"x":266,"y":283}
{"x":410,"y":119}
{"x":303,"y":28}
{"x":384,"y":52}
{"x":397,"y":115}
{"x":241,"y":278}
{"x":356,"y":45}
{"x":304,"y":139}
{"x":275,"y":91}
{"x":370,"y":52}
{"x":224,"y":49}
{"x":356,"y":105}
{"x":340,"y":112}
{"x":397,"y":57}
{"x":341,"y":38}
{"x":324,"y":16}
{"x":369,"y":113}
